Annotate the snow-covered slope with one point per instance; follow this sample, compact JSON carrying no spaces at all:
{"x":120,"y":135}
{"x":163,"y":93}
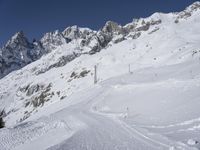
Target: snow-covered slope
{"x":148,"y":88}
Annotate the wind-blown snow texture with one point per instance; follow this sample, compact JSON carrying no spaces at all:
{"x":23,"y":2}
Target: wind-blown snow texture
{"x":147,"y":95}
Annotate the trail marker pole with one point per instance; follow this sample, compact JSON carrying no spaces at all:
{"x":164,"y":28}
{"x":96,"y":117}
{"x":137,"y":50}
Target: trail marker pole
{"x":95,"y":74}
{"x":129,"y":69}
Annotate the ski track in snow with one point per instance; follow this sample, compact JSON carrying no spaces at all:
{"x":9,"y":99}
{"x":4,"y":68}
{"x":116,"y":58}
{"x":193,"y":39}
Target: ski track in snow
{"x":87,"y":128}
{"x":105,"y":134}
{"x":84,"y":127}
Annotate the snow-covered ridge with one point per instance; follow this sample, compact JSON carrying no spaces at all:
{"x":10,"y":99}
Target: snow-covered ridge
{"x":18,"y":51}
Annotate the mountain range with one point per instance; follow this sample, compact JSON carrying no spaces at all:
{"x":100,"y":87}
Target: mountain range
{"x":148,"y":83}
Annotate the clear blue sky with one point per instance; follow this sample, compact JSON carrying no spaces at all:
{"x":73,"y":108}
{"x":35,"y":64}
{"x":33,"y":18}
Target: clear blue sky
{"x":35,"y":17}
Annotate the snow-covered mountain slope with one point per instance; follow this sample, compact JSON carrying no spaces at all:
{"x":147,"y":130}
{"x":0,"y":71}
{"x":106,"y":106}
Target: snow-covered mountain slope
{"x":147,"y":95}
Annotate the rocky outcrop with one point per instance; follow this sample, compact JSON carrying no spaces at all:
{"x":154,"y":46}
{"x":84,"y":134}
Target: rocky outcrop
{"x":187,"y":12}
{"x":62,"y":61}
{"x":37,"y":94}
{"x":18,"y":52}
{"x":52,"y":40}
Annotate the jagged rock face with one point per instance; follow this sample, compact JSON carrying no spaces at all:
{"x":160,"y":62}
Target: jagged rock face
{"x":61,"y":62}
{"x":52,"y":40}
{"x":112,"y":27}
{"x":75,"y":32}
{"x":86,"y":37}
{"x":37,"y":51}
{"x":193,"y":7}
{"x":109,"y":32}
{"x":95,"y":41}
{"x":17,"y":53}
{"x":187,"y":12}
{"x":71,"y":32}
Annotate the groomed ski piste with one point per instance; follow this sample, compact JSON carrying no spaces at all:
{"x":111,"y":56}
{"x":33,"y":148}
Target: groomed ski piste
{"x":132,"y":111}
{"x":147,"y":96}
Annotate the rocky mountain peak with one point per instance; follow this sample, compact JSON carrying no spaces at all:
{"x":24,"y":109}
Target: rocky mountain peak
{"x":75,"y":32}
{"x":194,"y":6}
{"x":53,"y":39}
{"x":18,"y":39}
{"x":112,"y":27}
{"x":18,"y":35}
{"x":72,"y":32}
{"x":189,"y":11}
{"x":18,"y":52}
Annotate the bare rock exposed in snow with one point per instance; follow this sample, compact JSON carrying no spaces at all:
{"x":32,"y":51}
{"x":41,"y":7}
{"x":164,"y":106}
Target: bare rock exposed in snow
{"x":18,"y":52}
{"x":188,"y":12}
{"x":52,"y":40}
